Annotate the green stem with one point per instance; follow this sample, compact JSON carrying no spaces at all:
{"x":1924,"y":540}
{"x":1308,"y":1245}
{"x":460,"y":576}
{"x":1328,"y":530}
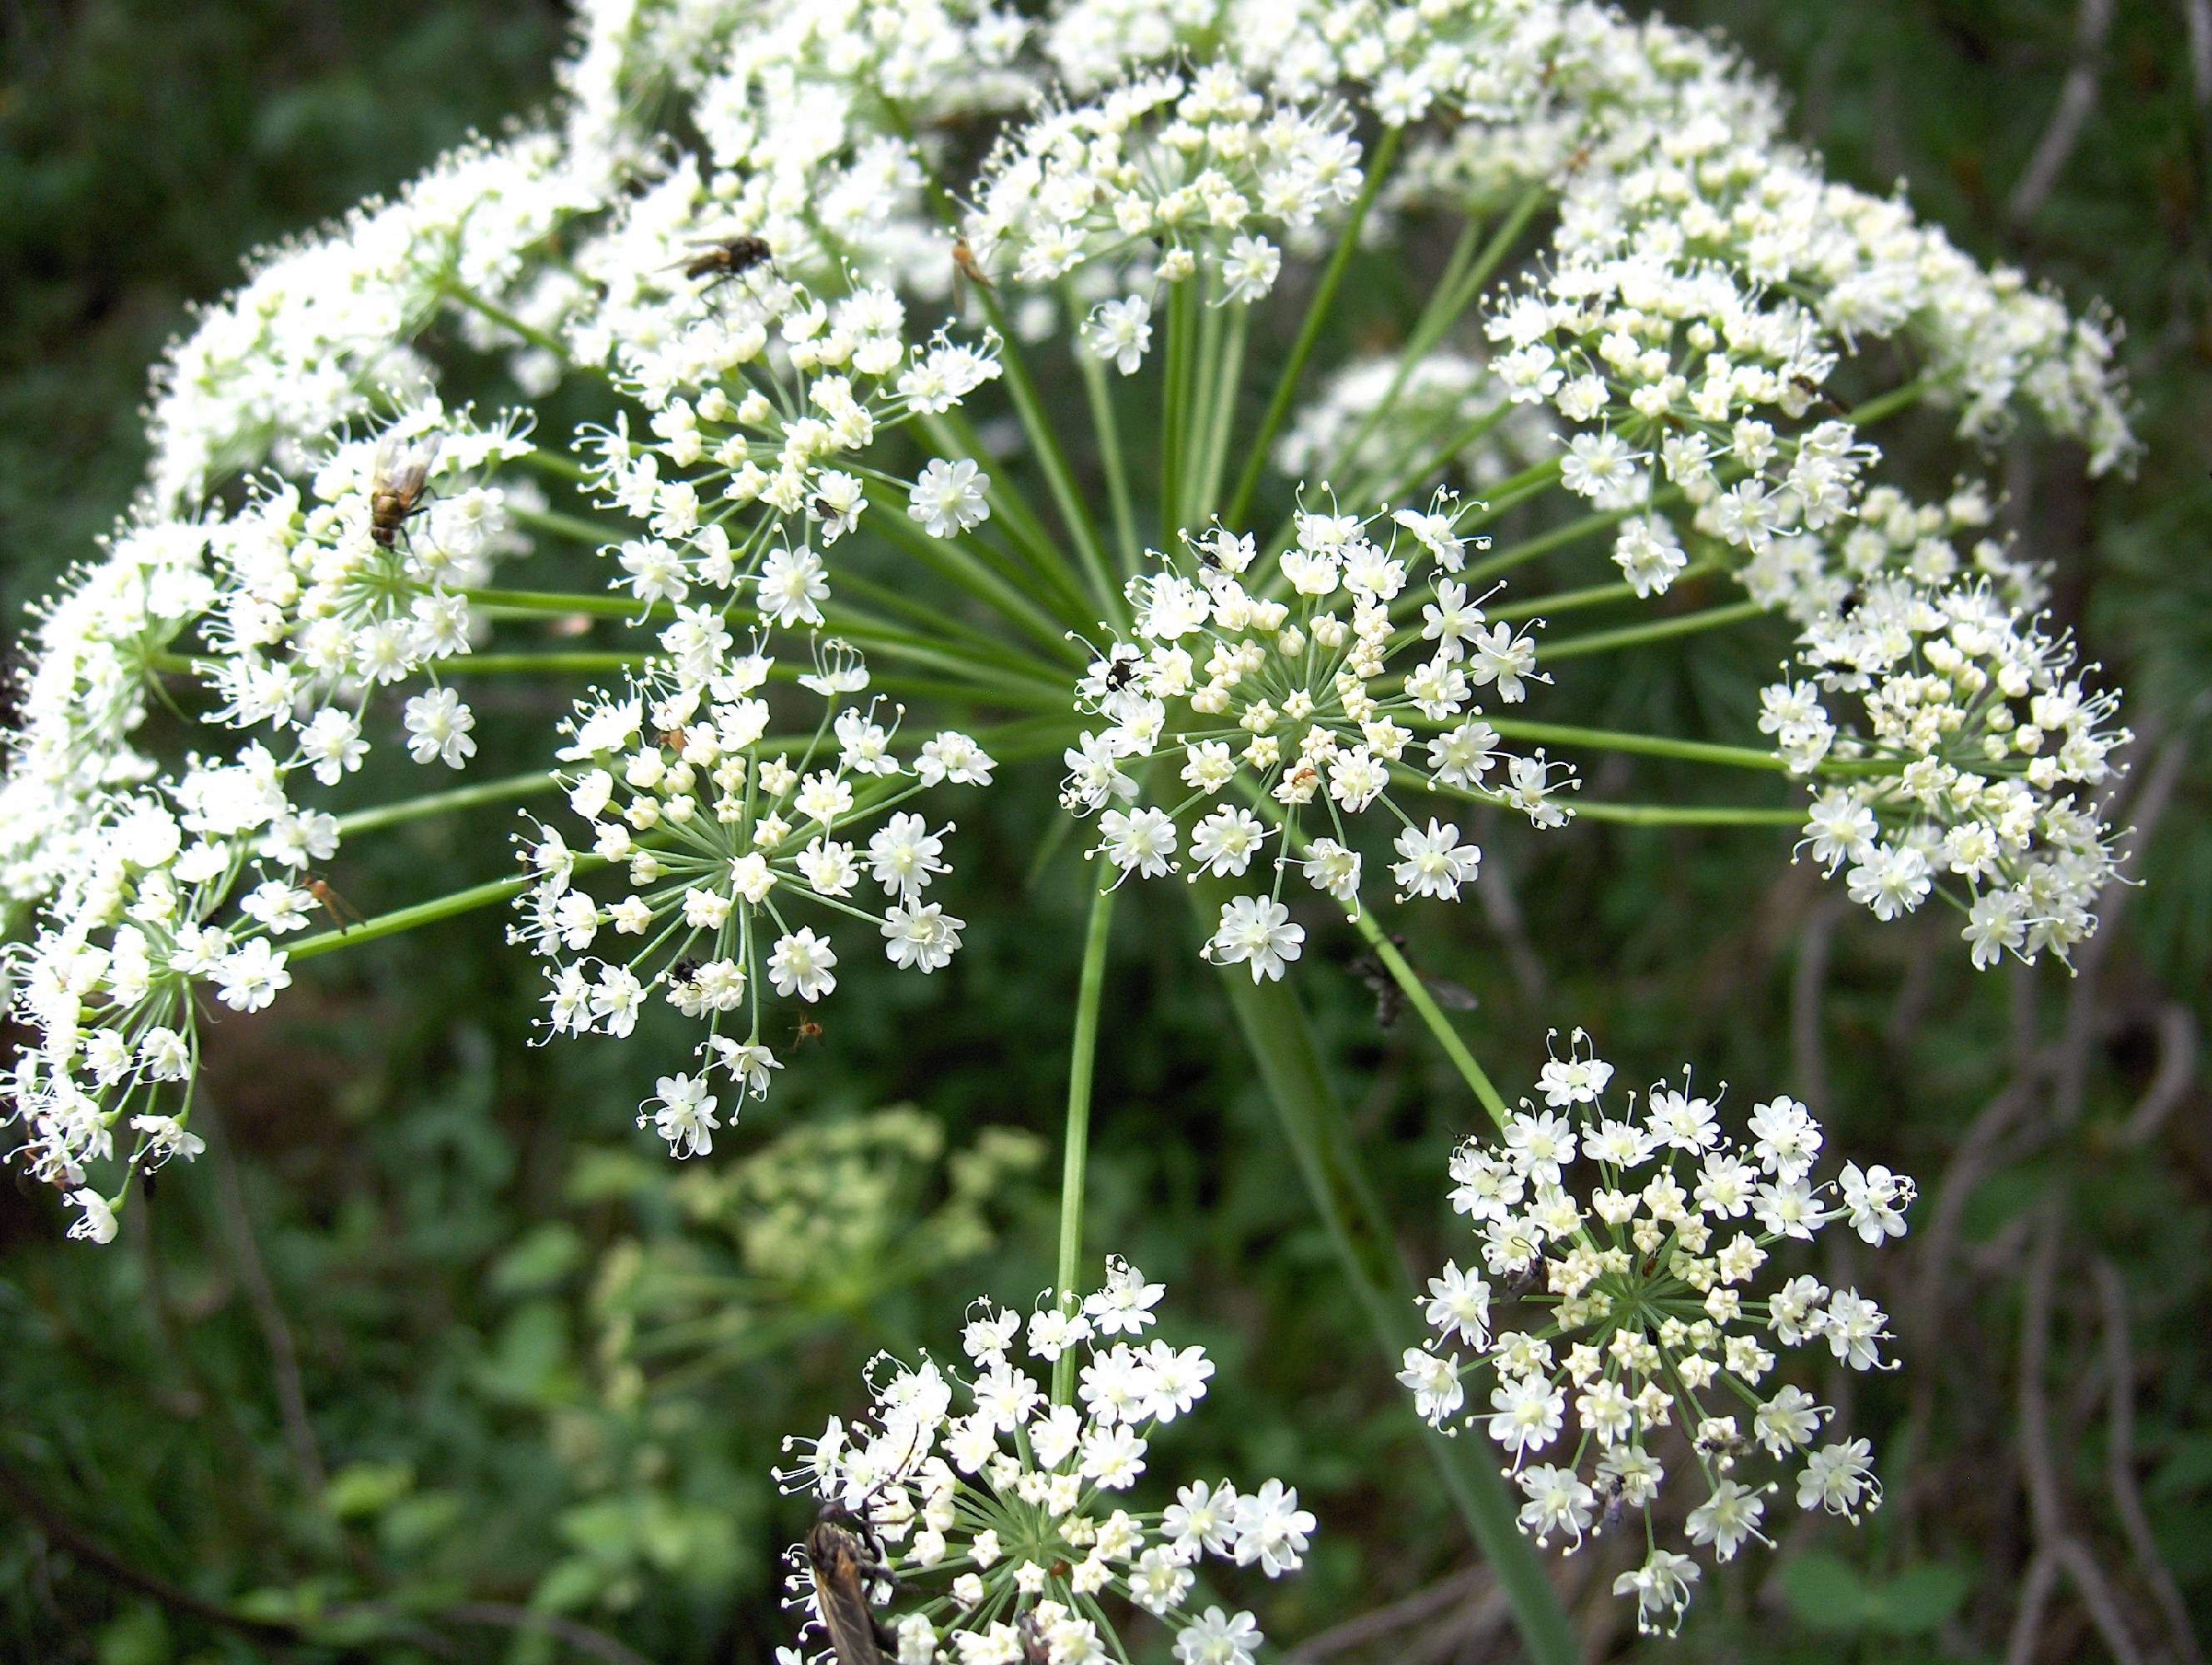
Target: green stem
{"x":1317,"y":313}
{"x":574,"y":527}
{"x":1100,"y":395}
{"x":1595,"y":595}
{"x":488,"y":894}
{"x":1645,"y":746}
{"x":506,"y":320}
{"x":1082,"y":1071}
{"x":1629,"y":635}
{"x":951,"y":432}
{"x":1686,"y":815}
{"x":1544,"y":543}
{"x":1283,"y":1050}
{"x":1174,"y":412}
{"x":1417,"y":996}
{"x":1451,"y":297}
{"x":1059,"y":477}
{"x":440,"y":803}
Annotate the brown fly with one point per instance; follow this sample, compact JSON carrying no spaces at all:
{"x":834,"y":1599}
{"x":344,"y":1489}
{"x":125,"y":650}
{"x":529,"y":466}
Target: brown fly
{"x":395,"y":491}
{"x":845,"y":1559}
{"x":335,"y":905}
{"x":722,"y":259}
{"x":965,"y":270}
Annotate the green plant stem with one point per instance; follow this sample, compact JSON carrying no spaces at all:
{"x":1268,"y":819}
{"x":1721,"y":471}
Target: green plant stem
{"x":506,"y":320}
{"x":1225,"y":372}
{"x":1175,"y":411}
{"x":1452,"y":295}
{"x":1559,"y":537}
{"x":491,"y":894}
{"x":1289,"y":1065}
{"x":1417,"y":996}
{"x":1642,"y":745}
{"x":1317,"y":313}
{"x":1630,"y":635}
{"x":503,"y":790}
{"x":1082,"y":1072}
{"x":1058,"y":477}
{"x":1108,"y":428}
{"x":1595,"y":595}
{"x":573,"y":527}
{"x":1687,"y":815}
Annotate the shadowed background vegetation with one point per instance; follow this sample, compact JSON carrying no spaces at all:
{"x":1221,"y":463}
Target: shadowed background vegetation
{"x":437,"y":1354}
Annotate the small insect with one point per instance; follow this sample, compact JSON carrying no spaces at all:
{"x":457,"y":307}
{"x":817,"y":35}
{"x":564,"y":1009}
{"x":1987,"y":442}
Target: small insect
{"x":335,"y":905}
{"x":808,"y":1030}
{"x":823,"y":509}
{"x":965,"y":269}
{"x":845,"y":1557}
{"x":1390,"y":998}
{"x":1120,"y":674}
{"x":395,"y":491}
{"x":1614,"y":1496}
{"x":683,"y":971}
{"x":722,"y":259}
{"x":1813,"y":389}
{"x":675,"y":739}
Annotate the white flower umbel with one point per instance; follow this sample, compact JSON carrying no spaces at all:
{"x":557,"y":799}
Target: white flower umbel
{"x":1606,"y":1323}
{"x":766,"y":404}
{"x":175,"y":896}
{"x":356,"y":584}
{"x":1268,"y":708}
{"x":1167,"y":174}
{"x":1974,"y":756}
{"x":731,"y":855}
{"x":999,"y":1519}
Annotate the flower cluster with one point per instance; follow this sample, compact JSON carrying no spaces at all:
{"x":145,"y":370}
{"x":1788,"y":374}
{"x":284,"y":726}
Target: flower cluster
{"x":1628,"y":1243}
{"x":178,"y":889}
{"x":1304,"y":682}
{"x":358,"y":583}
{"x":1970,"y":756}
{"x":763,"y":401}
{"x":1182,"y":173}
{"x":712,"y":827}
{"x":1009,"y":1496}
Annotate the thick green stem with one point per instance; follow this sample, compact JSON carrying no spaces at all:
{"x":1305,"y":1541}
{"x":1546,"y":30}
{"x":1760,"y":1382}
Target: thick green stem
{"x":1289,"y":1064}
{"x":1645,"y":746}
{"x":488,"y":894}
{"x":1630,"y":635}
{"x":504,"y":790}
{"x":1423,"y":1003}
{"x":1082,"y":1071}
{"x":1059,"y":477}
{"x":1108,"y":429}
{"x":506,"y":320}
{"x":1317,"y":314}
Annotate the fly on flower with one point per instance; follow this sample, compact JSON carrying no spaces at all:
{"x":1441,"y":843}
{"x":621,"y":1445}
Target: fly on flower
{"x":990,"y":1510}
{"x":395,"y":493}
{"x":723,"y":259}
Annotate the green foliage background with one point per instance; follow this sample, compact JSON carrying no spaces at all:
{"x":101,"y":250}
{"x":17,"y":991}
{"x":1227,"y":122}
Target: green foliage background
{"x":435,"y":1340}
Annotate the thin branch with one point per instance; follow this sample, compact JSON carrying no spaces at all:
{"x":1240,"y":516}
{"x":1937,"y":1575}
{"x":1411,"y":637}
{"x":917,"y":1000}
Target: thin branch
{"x":268,"y":1312}
{"x":2076,"y":99}
{"x":2120,"y":1461}
{"x":2177,"y":1071}
{"x":1375,"y":1625}
{"x":505,"y":1616}
{"x":2046,"y":1497}
{"x":98,"y":1558}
